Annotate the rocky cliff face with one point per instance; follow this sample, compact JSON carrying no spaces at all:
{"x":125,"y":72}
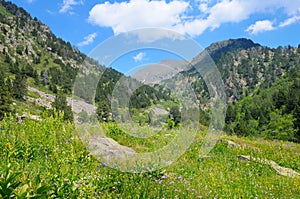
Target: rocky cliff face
{"x":244,"y":66}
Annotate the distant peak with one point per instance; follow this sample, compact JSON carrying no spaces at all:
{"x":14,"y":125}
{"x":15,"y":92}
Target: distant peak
{"x":232,"y":44}
{"x":218,"y":48}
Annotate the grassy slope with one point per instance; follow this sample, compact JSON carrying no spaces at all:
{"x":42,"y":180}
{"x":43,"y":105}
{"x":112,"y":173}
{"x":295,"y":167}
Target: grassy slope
{"x":51,"y":154}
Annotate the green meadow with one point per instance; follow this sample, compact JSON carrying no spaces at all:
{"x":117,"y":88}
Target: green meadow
{"x":48,"y":160}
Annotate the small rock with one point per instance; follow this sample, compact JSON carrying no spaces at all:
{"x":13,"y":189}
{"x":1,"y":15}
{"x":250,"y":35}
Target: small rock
{"x":244,"y":157}
{"x":279,"y":169}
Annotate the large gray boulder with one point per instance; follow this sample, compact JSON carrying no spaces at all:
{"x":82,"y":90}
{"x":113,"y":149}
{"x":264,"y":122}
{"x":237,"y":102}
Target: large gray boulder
{"x":107,"y":148}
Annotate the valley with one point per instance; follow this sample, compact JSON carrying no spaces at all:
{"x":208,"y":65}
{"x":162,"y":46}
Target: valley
{"x":71,"y":127}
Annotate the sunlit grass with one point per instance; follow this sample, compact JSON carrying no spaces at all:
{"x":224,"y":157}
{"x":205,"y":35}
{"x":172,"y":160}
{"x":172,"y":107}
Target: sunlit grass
{"x":50,"y":153}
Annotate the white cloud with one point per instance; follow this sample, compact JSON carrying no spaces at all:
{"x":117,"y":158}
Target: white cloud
{"x":139,"y":57}
{"x":125,"y":16}
{"x":67,"y":5}
{"x":149,"y":35}
{"x":187,"y":17}
{"x":260,"y":26}
{"x":223,"y":12}
{"x":88,"y":39}
{"x":289,"y":21}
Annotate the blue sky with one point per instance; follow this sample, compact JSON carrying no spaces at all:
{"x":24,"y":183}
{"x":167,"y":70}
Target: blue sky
{"x":87,"y":23}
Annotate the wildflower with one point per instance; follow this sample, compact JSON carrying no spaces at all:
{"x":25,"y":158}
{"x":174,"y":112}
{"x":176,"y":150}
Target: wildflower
{"x":69,"y":140}
{"x":179,"y":177}
{"x":176,"y":190}
{"x":8,"y":145}
{"x":66,"y":180}
{"x":172,"y":182}
{"x":160,"y":181}
{"x":200,"y":196}
{"x":163,"y":177}
{"x":78,"y":185}
{"x":98,"y":168}
{"x":103,"y":164}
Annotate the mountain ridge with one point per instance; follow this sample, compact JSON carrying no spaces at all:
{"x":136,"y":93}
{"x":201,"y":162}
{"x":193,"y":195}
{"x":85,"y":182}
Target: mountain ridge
{"x":216,"y":49}
{"x":29,"y":48}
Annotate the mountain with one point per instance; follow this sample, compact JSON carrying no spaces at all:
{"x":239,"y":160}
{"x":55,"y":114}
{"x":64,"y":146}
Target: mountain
{"x":261,"y":84}
{"x":218,"y":49}
{"x":244,"y":66}
{"x":165,"y":69}
{"x":272,"y":112}
{"x":31,"y":55}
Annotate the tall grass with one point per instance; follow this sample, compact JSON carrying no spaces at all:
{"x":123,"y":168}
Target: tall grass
{"x":47,"y":159}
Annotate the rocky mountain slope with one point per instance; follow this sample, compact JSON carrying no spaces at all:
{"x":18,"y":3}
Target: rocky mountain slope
{"x":244,"y":66}
{"x":43,"y":61}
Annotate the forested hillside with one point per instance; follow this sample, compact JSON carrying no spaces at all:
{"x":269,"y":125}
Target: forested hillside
{"x":31,"y":55}
{"x":272,"y":112}
{"x":246,"y":66}
{"x":261,"y":84}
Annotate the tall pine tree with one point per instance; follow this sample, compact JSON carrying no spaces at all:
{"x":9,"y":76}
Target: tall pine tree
{"x":5,"y":96}
{"x":60,"y":104}
{"x":19,"y":86}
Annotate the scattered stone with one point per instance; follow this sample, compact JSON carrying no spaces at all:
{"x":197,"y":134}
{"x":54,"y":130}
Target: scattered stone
{"x":282,"y":170}
{"x":279,"y":169}
{"x":46,"y":99}
{"x":108,"y":148}
{"x":244,"y":157}
{"x":31,"y":117}
{"x":232,"y":144}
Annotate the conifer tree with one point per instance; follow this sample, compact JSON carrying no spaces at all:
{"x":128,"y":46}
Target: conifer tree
{"x":5,"y":96}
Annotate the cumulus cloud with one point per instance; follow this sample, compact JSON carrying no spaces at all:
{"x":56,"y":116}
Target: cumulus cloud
{"x":67,"y":5}
{"x":139,"y":57}
{"x":289,"y":21}
{"x":260,"y":26}
{"x":125,"y":16}
{"x":222,"y":12}
{"x":187,"y":17}
{"x":88,"y":39}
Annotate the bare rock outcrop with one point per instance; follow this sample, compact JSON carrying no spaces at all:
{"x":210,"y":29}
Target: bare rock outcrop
{"x":279,"y":169}
{"x":107,"y":148}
